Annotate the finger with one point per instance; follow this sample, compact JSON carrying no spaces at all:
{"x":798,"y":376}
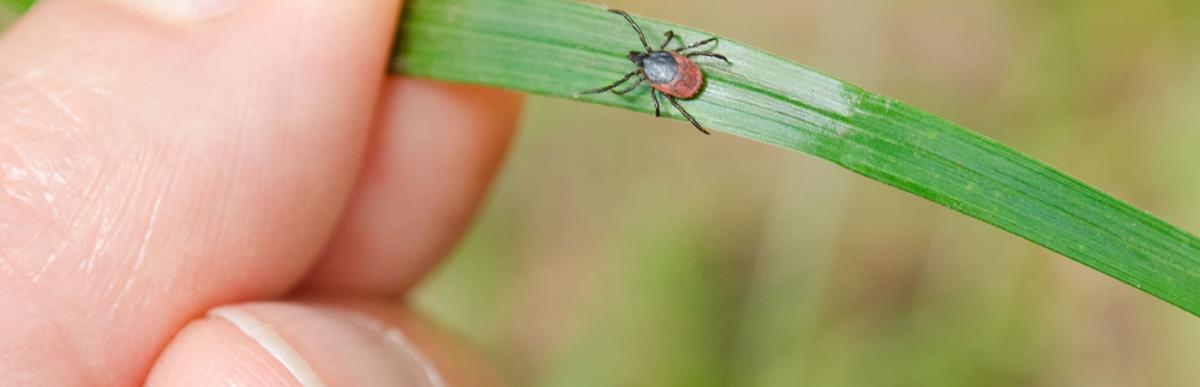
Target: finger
{"x":295,"y":344}
{"x":434,"y":150}
{"x":157,"y":161}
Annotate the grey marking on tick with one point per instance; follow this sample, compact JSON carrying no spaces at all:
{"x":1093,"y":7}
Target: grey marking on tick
{"x":660,"y":67}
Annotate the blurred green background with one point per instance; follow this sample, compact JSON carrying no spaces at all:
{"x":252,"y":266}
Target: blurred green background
{"x":622,"y":250}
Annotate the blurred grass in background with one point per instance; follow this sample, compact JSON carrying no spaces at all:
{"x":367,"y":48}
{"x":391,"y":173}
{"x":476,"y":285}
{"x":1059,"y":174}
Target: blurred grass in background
{"x":619,"y":250}
{"x":7,"y":16}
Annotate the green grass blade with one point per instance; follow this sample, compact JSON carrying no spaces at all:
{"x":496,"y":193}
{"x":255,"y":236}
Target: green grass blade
{"x":558,"y":48}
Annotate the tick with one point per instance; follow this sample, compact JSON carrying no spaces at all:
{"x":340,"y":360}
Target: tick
{"x":671,"y":73}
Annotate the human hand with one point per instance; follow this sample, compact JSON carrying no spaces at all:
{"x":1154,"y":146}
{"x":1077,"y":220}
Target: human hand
{"x":229,"y":192}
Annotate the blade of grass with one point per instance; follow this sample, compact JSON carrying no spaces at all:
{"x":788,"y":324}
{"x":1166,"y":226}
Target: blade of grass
{"x":557,"y":48}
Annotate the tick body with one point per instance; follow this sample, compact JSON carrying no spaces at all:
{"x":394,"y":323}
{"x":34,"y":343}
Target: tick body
{"x":671,"y":73}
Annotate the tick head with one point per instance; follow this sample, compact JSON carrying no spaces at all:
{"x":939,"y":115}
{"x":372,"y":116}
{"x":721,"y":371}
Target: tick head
{"x":636,"y":57}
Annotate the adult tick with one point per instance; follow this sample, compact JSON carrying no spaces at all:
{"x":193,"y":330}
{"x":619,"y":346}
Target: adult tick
{"x":671,"y":73}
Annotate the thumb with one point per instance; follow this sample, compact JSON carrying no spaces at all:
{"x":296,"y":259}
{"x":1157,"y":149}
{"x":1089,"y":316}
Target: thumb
{"x":347,"y":343}
{"x":160,"y":157}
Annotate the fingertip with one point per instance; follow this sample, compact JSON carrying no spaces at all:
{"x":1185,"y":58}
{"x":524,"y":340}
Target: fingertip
{"x":305,"y":344}
{"x":433,"y":153}
{"x":213,"y":351}
{"x":161,"y":168}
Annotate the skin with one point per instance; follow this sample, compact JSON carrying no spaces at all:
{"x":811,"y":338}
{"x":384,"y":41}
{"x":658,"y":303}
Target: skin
{"x":165,"y":168}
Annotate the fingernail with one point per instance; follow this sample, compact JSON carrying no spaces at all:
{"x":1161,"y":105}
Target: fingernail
{"x":323,"y":346}
{"x":185,"y":10}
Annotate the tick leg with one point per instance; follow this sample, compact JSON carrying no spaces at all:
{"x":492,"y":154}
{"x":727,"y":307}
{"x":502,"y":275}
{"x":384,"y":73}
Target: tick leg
{"x":635,"y":27}
{"x":709,"y":54}
{"x":687,"y":115}
{"x":609,"y":87}
{"x":697,"y":44}
{"x":654,"y":94}
{"x":630,"y":88}
{"x":670,"y":36}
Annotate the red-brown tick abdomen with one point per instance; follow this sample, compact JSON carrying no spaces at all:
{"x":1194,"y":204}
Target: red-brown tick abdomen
{"x":688,"y":79}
